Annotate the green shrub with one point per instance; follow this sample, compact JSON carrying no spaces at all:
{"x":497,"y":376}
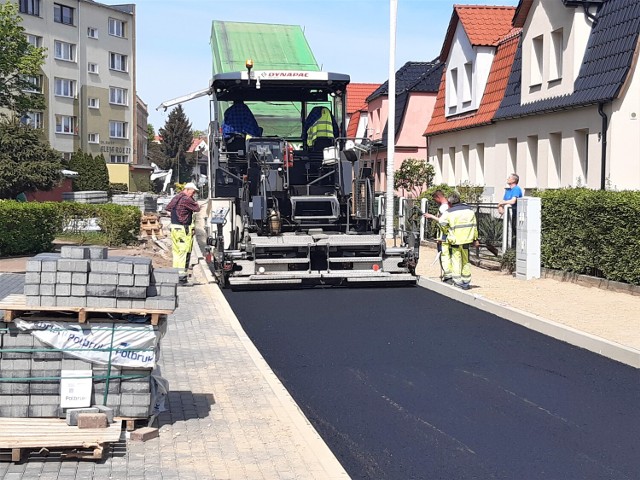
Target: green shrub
{"x":92,"y":172}
{"x":508,"y":261}
{"x":27,"y":227}
{"x":118,"y":188}
{"x":30,"y":228}
{"x":120,"y":223}
{"x":593,"y":232}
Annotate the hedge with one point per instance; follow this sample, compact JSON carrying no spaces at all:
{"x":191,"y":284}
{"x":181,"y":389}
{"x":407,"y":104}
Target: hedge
{"x":592,"y":232}
{"x":29,"y":228}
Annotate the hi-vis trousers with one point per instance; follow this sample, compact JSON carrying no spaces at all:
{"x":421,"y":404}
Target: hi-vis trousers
{"x":445,"y":258}
{"x":182,"y":242}
{"x":460,"y":266}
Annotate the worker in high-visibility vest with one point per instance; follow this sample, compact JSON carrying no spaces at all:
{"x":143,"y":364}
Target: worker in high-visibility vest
{"x":460,"y":225}
{"x":444,"y":254}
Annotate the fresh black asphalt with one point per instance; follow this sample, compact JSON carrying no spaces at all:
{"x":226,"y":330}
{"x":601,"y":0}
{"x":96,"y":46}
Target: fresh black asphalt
{"x":407,"y":384}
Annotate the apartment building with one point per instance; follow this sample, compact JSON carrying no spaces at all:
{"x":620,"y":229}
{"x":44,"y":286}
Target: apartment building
{"x":88,"y":77}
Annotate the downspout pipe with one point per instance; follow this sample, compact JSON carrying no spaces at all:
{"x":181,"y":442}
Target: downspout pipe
{"x":603,"y":158}
{"x":590,"y":16}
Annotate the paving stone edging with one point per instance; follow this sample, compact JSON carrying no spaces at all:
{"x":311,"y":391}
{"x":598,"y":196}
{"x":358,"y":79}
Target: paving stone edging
{"x":615,"y":351}
{"x":292,"y":413}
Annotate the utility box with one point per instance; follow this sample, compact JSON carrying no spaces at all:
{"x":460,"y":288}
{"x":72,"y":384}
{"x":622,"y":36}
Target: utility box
{"x":528,"y":237}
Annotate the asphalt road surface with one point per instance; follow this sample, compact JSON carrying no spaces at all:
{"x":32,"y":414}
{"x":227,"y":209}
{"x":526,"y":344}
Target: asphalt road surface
{"x":407,"y":384}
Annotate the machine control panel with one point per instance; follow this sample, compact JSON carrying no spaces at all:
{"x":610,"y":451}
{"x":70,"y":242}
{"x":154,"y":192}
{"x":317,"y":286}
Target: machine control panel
{"x":218,"y":215}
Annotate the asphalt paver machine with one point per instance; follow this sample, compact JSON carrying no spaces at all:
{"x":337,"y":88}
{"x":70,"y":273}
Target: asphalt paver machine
{"x":285,"y":213}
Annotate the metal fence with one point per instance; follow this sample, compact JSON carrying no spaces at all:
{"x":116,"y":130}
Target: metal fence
{"x":496,"y":232}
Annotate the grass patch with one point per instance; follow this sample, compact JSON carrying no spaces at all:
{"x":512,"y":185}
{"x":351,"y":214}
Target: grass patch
{"x":85,"y":238}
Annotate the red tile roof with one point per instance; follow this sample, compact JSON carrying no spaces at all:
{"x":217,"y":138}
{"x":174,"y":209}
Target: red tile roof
{"x":484,"y":25}
{"x":194,"y":144}
{"x":357,"y":93}
{"x":352,"y":129}
{"x":493,"y":93}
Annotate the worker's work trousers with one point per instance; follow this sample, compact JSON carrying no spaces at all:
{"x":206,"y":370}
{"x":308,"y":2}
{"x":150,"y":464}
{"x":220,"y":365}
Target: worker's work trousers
{"x":460,"y":266}
{"x":182,"y":241}
{"x":445,"y":259}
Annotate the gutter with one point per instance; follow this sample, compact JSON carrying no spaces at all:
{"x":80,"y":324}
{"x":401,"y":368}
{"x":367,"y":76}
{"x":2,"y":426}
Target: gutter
{"x":603,"y":158}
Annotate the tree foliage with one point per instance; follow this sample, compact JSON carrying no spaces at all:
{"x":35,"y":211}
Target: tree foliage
{"x":27,"y":162}
{"x":92,"y":172}
{"x":413,"y":176}
{"x":18,"y":61}
{"x":177,"y":137}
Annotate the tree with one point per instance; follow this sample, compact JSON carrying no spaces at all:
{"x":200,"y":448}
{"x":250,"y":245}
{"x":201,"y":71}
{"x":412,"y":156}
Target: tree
{"x":27,"y":162}
{"x":20,"y":62}
{"x":92,"y":172}
{"x":413,"y":176}
{"x":151,"y":134}
{"x":177,"y":137}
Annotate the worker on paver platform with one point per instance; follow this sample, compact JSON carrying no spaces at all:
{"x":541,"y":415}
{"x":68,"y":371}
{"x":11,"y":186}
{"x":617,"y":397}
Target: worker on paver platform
{"x":182,"y":208}
{"x":460,"y":226}
{"x":320,"y":124}
{"x":239,"y":119}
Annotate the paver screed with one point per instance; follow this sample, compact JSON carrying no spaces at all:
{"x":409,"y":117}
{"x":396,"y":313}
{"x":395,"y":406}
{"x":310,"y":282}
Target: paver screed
{"x":228,"y":416}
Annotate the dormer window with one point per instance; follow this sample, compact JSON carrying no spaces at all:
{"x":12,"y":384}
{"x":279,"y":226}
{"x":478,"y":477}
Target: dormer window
{"x":452,"y":90}
{"x":555,"y":62}
{"x":537,"y":49}
{"x":467,"y":86}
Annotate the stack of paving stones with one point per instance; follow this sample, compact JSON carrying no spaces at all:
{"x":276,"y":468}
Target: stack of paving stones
{"x":144,"y":201}
{"x":88,"y":196}
{"x":80,"y":277}
{"x":86,"y":277}
{"x":36,"y":368}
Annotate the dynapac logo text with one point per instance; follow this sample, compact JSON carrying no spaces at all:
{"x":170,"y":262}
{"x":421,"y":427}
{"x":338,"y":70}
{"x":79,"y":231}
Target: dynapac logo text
{"x":285,"y":74}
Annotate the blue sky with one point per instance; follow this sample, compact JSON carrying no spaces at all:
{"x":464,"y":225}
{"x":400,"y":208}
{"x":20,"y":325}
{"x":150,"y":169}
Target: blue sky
{"x":346,"y":36}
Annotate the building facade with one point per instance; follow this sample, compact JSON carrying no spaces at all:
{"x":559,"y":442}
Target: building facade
{"x":88,"y":78}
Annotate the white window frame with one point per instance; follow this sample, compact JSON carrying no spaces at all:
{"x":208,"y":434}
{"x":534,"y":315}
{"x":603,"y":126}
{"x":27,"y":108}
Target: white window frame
{"x":452,"y":88}
{"x":118,"y":96}
{"x":35,"y":40}
{"x":92,"y":32}
{"x":119,"y":158}
{"x":64,"y":51}
{"x":118,"y":129}
{"x":36,"y":80}
{"x":65,"y":125}
{"x":64,"y":87}
{"x":36,"y":119}
{"x":93,"y":138}
{"x":118,"y":62}
{"x":93,"y":102}
{"x":117,"y":27}
{"x":467,"y":83}
{"x":93,"y":68}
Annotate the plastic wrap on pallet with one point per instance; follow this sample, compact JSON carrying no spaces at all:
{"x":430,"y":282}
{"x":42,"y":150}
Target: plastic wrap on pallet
{"x":126,"y":345}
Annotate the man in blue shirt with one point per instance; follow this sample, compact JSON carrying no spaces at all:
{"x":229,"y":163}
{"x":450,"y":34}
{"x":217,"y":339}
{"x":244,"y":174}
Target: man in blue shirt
{"x":511,"y":193}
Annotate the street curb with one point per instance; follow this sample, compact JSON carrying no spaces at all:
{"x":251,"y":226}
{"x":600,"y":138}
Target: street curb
{"x":294,"y":415}
{"x":615,"y":351}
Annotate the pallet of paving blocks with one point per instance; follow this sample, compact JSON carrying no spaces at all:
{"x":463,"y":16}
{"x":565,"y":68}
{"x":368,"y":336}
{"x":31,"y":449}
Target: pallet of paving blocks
{"x":48,"y":367}
{"x":85,"y":281}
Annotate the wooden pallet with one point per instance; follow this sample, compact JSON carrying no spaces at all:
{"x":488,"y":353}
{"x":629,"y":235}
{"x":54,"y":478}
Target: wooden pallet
{"x":150,"y":226}
{"x":20,"y":434}
{"x":15,"y":305}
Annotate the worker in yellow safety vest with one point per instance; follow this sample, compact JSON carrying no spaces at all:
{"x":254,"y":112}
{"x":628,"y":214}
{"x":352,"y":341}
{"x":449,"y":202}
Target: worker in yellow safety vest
{"x":460,"y":226}
{"x":319,"y":124}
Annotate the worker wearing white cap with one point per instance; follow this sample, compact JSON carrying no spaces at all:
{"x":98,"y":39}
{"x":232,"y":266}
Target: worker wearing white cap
{"x":182,"y":208}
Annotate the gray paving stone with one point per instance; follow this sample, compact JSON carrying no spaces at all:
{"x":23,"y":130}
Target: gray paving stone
{"x":48,"y":289}
{"x":74,"y":252}
{"x":164,"y":275}
{"x":70,"y":265}
{"x":100,"y":291}
{"x":141,"y":280}
{"x":103,"y":278}
{"x":101,"y":302}
{"x":125,"y":280}
{"x":31,"y":289}
{"x":63,"y":289}
{"x":79,"y":290}
{"x":63,"y":277}
{"x":105,"y":266}
{"x":79,"y":278}
{"x":98,"y":253}
{"x":131,"y":292}
{"x":32,"y":278}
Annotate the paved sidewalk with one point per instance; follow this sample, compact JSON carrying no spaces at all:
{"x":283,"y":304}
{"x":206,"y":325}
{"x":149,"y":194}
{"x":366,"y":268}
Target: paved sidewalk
{"x":229,"y":417}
